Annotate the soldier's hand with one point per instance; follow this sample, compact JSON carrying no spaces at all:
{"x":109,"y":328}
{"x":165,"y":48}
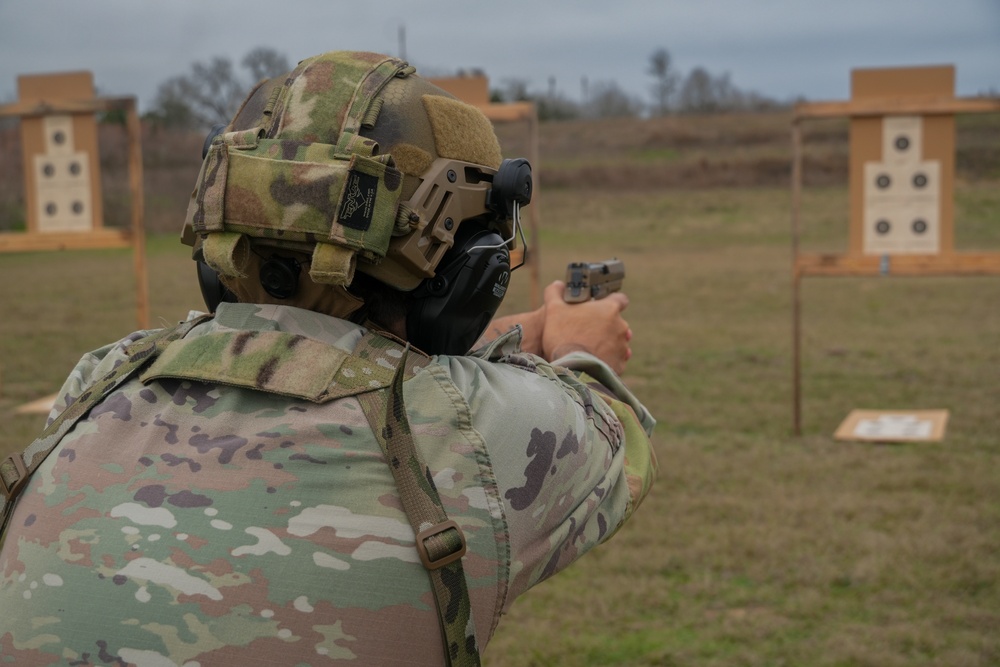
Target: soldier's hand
{"x":596,"y":327}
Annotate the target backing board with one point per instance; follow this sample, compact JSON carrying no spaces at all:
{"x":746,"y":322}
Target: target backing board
{"x":893,"y":425}
{"x":61,"y":159}
{"x":902,"y":166}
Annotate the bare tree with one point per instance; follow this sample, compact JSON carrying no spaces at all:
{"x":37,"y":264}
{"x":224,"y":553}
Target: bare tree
{"x":515,"y":90}
{"x":698,"y":93}
{"x":702,"y":92}
{"x":265,"y":63}
{"x":212,"y":91}
{"x":556,"y":106}
{"x":661,"y":68}
{"x":727,"y":96}
{"x":608,"y":100}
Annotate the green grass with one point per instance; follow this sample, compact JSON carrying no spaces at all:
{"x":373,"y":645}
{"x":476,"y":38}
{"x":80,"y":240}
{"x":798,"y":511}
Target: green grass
{"x":754,"y":547}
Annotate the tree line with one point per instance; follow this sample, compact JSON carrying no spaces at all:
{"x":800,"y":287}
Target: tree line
{"x":211,"y":92}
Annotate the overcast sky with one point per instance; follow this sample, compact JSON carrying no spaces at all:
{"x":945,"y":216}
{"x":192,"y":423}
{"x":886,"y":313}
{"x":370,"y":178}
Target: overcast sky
{"x":780,"y":48}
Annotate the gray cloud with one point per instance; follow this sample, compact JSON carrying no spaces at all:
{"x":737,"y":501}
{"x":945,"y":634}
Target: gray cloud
{"x":781,"y":48}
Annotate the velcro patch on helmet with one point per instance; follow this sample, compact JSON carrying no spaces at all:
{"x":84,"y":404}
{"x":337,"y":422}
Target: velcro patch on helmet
{"x":462,"y":132}
{"x":412,"y":159}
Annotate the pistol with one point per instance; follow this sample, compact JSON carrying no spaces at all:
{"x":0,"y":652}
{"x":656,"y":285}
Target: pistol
{"x":593,"y":280}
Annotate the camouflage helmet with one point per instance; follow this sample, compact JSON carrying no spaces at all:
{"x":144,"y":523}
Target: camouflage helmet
{"x":353,"y":159}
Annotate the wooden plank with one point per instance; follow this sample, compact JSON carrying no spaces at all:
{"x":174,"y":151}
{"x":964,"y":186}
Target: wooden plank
{"x":508,"y":111}
{"x":917,"y":105}
{"x":45,"y":108}
{"x":471,"y":89}
{"x":41,"y":406}
{"x":882,"y":82}
{"x":103,"y":238}
{"x":978,"y":263}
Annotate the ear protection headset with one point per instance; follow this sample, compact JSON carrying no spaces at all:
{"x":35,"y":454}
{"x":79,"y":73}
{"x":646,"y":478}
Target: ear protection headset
{"x":449,"y":311}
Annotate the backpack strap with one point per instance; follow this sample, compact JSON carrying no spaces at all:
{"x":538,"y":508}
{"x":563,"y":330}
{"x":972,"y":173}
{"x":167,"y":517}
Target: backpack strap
{"x":439,"y":540}
{"x":16,"y":469}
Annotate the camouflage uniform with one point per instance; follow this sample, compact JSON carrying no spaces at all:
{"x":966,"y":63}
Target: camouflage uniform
{"x":190,"y":519}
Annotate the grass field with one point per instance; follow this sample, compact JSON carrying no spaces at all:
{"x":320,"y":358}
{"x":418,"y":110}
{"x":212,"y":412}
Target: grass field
{"x":754,"y":547}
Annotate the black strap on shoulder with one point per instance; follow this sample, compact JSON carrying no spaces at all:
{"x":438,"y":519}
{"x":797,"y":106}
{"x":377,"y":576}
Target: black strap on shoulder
{"x":16,"y":469}
{"x":440,"y":541}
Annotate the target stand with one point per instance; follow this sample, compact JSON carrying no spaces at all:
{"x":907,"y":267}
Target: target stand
{"x":62,"y":172}
{"x":902,"y":172}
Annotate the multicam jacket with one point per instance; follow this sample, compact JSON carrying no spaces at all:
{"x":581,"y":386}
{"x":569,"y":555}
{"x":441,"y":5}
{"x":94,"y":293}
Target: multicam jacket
{"x":188,"y":520}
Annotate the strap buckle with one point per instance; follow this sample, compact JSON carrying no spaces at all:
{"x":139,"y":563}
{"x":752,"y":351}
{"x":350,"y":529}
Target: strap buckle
{"x":438,"y":529}
{"x":13,"y":489}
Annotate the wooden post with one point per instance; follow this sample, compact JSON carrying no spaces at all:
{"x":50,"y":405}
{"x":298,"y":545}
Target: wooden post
{"x":138,"y":208}
{"x":534,"y":257}
{"x":796,"y":296}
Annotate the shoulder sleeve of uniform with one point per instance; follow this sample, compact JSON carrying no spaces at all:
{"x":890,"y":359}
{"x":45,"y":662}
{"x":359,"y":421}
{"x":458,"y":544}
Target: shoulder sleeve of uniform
{"x":613,"y":409}
{"x":500,"y":347}
{"x":571,"y":457}
{"x":637,"y":423}
{"x":599,"y":372}
{"x":91,"y":366}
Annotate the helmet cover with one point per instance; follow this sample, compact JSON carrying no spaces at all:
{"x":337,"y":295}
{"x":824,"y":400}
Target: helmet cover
{"x":353,"y":159}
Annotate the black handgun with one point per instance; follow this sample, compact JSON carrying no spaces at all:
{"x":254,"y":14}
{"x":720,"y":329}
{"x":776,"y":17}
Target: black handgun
{"x":593,"y":280}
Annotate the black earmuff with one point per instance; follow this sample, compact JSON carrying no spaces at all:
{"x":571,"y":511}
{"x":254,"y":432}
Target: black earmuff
{"x":449,"y":312}
{"x":511,"y":184}
{"x":279,"y":276}
{"x":212,"y":134}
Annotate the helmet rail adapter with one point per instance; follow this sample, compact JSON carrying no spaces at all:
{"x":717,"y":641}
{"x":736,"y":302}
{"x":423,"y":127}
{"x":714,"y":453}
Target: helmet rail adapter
{"x":355,"y":161}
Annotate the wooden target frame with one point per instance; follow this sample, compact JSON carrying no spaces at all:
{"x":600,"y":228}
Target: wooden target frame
{"x":475,"y":90}
{"x":878,"y":94}
{"x":68,"y":98}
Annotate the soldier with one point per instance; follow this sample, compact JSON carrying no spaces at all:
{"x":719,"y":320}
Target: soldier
{"x":321,"y":471}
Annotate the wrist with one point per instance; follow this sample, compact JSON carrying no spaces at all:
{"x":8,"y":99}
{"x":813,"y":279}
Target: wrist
{"x":532,"y":325}
{"x":566,"y":348}
{"x":532,"y":328}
